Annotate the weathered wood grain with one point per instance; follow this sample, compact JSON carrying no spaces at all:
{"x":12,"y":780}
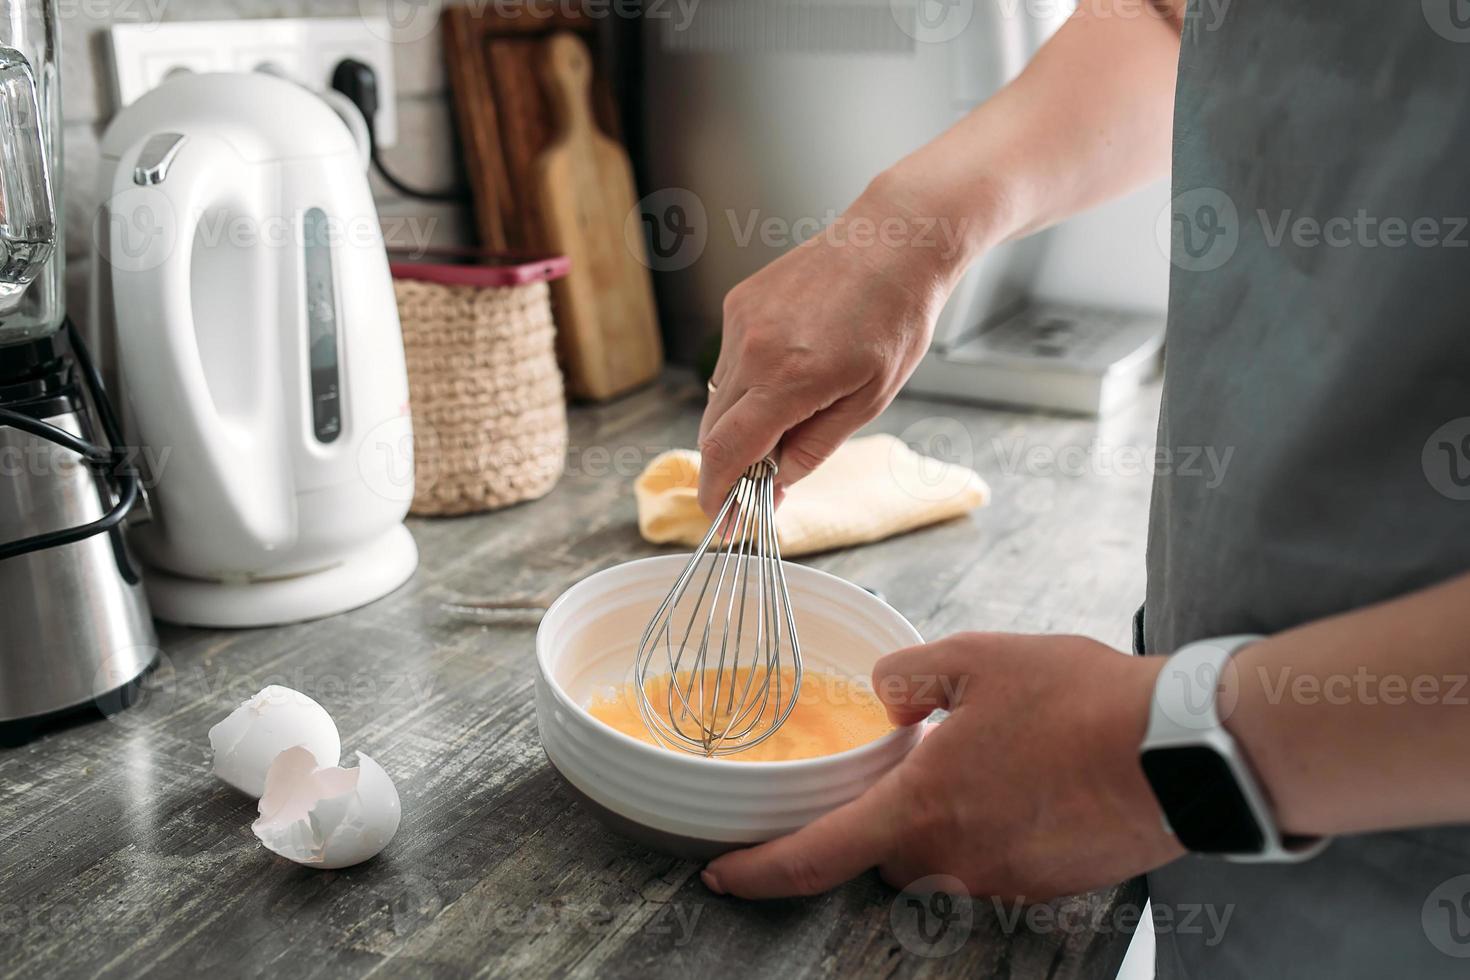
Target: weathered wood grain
{"x":120,"y":855}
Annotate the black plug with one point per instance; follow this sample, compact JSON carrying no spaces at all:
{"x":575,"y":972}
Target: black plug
{"x":357,"y":80}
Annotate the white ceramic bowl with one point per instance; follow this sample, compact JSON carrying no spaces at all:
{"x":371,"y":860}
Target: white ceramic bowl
{"x":682,"y":803}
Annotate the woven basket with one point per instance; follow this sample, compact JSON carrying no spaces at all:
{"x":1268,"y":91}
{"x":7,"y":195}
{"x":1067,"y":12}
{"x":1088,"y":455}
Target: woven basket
{"x":489,"y":415}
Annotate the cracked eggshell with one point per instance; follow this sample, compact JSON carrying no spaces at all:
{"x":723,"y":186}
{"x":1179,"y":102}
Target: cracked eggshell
{"x":324,"y":816}
{"x":278,"y":718}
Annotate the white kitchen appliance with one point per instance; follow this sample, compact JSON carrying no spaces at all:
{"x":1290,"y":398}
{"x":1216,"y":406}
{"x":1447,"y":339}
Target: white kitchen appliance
{"x":243,"y":293}
{"x":766,"y":118}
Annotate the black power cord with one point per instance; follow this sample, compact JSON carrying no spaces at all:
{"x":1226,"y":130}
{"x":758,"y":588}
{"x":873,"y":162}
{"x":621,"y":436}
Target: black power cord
{"x":111,"y":460}
{"x":357,"y":80}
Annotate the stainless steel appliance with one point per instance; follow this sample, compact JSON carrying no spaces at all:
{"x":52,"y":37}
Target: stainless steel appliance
{"x":74,"y":627}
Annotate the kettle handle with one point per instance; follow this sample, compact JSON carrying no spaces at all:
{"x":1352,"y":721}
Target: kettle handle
{"x":228,"y":475}
{"x":355,"y":122}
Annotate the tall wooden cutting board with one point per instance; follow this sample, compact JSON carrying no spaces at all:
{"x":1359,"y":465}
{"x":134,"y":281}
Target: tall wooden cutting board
{"x":606,"y":321}
{"x":492,"y":57}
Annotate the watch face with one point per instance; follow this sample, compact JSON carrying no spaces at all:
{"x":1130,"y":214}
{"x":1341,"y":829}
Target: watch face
{"x":1202,"y":800}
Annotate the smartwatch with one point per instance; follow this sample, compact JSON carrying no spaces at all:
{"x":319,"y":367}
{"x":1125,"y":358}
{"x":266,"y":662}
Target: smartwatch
{"x":1212,"y":801}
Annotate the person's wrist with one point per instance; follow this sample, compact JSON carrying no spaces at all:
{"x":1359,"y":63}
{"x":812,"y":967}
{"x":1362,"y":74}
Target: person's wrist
{"x":1116,"y":728}
{"x":1259,"y":728}
{"x":927,"y":241}
{"x":962,"y":223}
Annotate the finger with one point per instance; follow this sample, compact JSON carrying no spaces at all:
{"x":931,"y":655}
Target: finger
{"x":834,"y":848}
{"x":727,"y":391}
{"x":749,"y":430}
{"x":724,"y":390}
{"x":918,"y":681}
{"x":723,"y":367}
{"x":808,"y":445}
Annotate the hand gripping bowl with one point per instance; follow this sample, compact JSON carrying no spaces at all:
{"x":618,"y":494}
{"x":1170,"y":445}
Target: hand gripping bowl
{"x":685,"y":804}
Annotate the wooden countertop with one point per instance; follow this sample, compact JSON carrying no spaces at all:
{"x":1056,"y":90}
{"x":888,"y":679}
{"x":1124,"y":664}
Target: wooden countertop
{"x":120,"y":854}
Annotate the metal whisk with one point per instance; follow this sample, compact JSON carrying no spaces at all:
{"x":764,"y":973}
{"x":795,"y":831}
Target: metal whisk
{"x":721,"y":675}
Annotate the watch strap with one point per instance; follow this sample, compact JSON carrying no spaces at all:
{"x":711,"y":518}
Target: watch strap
{"x":1187,"y":692}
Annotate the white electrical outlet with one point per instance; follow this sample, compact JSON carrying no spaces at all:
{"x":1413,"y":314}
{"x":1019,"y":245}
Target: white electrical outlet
{"x":305,"y":50}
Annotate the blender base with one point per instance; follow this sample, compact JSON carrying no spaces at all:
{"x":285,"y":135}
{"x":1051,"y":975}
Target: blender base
{"x":365,"y":575}
{"x":16,"y":732}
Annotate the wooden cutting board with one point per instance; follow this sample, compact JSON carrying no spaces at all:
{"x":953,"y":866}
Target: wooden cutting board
{"x":493,"y":54}
{"x":606,"y":321}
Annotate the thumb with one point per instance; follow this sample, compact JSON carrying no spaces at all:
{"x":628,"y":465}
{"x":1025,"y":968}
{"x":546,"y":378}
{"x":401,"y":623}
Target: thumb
{"x":836,"y":847}
{"x":918,"y":681}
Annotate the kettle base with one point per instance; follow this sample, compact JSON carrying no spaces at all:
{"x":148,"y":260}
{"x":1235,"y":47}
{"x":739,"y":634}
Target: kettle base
{"x":366,"y":575}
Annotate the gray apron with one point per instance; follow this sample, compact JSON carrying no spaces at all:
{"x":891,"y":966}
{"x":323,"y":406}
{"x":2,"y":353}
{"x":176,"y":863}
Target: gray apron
{"x":1319,"y":332}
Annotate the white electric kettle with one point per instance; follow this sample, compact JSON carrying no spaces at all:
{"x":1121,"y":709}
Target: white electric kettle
{"x":243,"y":293}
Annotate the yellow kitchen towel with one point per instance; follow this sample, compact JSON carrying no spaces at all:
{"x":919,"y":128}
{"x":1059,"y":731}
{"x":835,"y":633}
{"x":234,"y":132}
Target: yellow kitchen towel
{"x":871,"y":488}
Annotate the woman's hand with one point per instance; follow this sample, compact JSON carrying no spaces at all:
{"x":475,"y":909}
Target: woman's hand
{"x":817,"y":343}
{"x":1031,"y":789}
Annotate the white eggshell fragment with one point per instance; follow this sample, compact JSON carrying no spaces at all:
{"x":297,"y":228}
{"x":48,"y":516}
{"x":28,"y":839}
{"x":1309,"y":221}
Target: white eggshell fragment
{"x":278,"y":718}
{"x":323,"y":816}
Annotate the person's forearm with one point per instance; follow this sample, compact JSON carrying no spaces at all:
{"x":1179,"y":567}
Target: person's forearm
{"x":1090,"y":118}
{"x":1361,"y":721}
{"x":817,"y":343}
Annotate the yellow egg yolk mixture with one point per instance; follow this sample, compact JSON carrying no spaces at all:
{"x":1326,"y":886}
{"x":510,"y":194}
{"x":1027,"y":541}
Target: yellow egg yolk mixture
{"x":832,"y":713}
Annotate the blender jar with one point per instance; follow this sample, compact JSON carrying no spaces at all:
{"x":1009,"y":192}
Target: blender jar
{"x":31,"y":253}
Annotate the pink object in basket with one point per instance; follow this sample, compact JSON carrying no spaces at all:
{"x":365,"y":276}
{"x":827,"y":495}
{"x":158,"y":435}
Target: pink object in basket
{"x":470,"y":267}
